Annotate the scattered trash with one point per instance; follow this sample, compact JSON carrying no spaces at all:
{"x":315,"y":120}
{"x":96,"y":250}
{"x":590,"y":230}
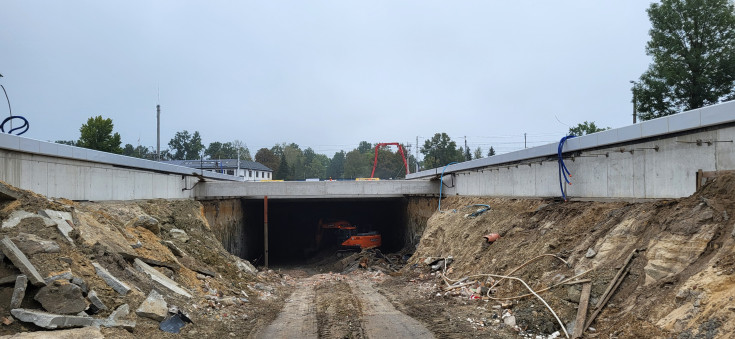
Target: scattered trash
{"x":174,"y":322}
{"x":478,"y":212}
{"x":490,"y":238}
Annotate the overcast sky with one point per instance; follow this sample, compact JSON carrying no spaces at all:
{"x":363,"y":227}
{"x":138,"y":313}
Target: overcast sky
{"x":323,"y":74}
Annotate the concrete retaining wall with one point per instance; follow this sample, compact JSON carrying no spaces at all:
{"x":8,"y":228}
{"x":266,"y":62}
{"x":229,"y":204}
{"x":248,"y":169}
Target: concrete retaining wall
{"x":626,"y":170}
{"x":617,"y":163}
{"x":83,"y":180}
{"x":57,"y":170}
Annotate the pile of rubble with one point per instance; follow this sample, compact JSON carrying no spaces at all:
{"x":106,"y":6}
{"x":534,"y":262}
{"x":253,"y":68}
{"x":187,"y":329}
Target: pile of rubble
{"x":67,"y":265}
{"x":374,"y":260}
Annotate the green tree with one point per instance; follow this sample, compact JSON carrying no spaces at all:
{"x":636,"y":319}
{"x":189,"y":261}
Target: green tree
{"x":97,"y":134}
{"x":491,"y":151}
{"x":357,"y":165}
{"x":267,"y":158}
{"x":282,"y":172}
{"x":365,"y":147}
{"x":227,"y":150}
{"x":693,"y":49}
{"x":440,"y":150}
{"x":336,"y":167}
{"x":186,"y":146}
{"x":586,"y":128}
{"x":478,"y":152}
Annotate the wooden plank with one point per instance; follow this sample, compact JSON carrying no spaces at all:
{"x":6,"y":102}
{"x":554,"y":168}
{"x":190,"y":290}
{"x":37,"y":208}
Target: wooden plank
{"x":584,"y":301}
{"x":614,"y":280}
{"x":607,"y":297}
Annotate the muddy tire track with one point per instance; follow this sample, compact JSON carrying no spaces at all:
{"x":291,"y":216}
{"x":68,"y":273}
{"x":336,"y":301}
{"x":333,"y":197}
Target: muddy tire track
{"x":339,"y":313}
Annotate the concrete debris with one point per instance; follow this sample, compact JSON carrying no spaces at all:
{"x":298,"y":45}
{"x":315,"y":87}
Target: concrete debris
{"x":179,"y":234}
{"x":116,"y":319}
{"x":6,"y":193}
{"x":242,"y":265}
{"x":112,"y":281}
{"x":16,"y":217}
{"x":66,"y":275}
{"x":174,"y":249}
{"x":153,"y":307}
{"x":21,"y":261}
{"x":73,"y":333}
{"x":8,"y":280}
{"x":31,"y":244}
{"x":81,"y":283}
{"x":137,"y":245}
{"x":63,"y":222}
{"x":21,"y":282}
{"x":96,"y":304}
{"x":160,"y":278}
{"x":61,"y":298}
{"x":147,"y":222}
{"x":590,"y":253}
{"x":49,"y":320}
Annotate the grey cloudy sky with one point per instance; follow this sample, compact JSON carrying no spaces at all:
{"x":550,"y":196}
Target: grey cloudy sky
{"x":323,"y":74}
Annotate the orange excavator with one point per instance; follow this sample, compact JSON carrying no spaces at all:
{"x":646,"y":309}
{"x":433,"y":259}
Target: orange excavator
{"x":347,"y":233}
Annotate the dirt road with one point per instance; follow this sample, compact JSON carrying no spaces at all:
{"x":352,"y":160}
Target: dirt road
{"x":337,"y":306}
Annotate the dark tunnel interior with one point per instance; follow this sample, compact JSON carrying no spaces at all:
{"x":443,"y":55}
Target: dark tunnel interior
{"x":293,"y":226}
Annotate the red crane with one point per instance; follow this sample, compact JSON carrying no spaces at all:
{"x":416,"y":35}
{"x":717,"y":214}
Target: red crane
{"x":400,"y":150}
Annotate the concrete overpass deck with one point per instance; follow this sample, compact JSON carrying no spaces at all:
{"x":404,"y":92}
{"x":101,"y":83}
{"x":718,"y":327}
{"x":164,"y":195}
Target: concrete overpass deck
{"x":316,"y":189}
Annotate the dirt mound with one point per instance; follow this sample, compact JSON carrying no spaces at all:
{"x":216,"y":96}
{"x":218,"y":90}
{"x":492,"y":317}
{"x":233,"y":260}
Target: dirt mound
{"x":678,"y":282}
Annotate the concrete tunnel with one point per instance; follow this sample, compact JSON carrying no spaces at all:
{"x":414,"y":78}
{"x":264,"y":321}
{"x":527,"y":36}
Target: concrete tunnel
{"x":293,"y":227}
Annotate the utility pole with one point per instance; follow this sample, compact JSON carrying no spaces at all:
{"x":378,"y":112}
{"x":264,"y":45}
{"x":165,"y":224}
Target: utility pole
{"x":524,"y":141}
{"x":466,"y":151}
{"x":635,"y":115}
{"x":417,"y":154}
{"x":158,"y":132}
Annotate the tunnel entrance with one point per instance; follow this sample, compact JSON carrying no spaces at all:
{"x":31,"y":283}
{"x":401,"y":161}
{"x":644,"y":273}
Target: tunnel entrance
{"x":293,"y":226}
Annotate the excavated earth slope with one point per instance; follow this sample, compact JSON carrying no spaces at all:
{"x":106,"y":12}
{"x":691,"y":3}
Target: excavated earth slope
{"x":680,"y":282}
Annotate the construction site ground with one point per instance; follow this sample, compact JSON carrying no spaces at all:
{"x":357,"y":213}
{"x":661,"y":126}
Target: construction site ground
{"x":677,"y":283}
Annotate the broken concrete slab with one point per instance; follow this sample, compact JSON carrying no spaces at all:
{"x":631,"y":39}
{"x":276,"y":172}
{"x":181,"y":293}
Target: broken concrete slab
{"x":21,"y":261}
{"x":31,"y":244}
{"x":74,"y":333}
{"x":21,"y":282}
{"x":116,"y":319}
{"x":66,"y":275}
{"x":174,"y":249}
{"x":7,"y":193}
{"x":153,"y":307}
{"x":92,"y":232}
{"x":245,"y":266}
{"x":160,"y":278}
{"x":50,"y":320}
{"x":16,"y":217}
{"x":97,"y":304}
{"x":179,"y":234}
{"x":147,"y":222}
{"x":8,"y":280}
{"x":81,"y":283}
{"x":61,"y":298}
{"x":111,"y":280}
{"x":63,"y":222}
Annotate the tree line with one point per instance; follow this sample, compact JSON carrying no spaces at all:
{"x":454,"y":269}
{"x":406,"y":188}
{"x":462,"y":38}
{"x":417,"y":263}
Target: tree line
{"x":287,"y":160}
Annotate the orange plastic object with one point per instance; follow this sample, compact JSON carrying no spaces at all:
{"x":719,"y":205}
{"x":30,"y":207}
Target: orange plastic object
{"x":491,"y":237}
{"x":363,"y":241}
